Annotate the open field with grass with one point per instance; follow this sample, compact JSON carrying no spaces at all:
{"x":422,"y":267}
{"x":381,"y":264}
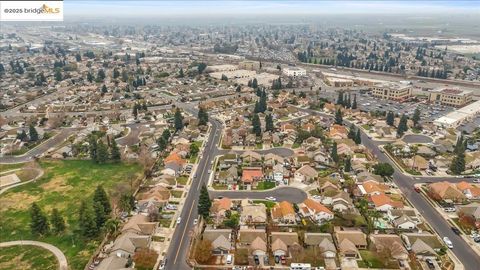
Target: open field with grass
{"x":64,"y":185}
{"x":27,"y":257}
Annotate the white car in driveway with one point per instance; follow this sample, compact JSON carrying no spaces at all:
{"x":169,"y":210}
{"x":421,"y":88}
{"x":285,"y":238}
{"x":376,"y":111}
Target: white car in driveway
{"x":447,"y":242}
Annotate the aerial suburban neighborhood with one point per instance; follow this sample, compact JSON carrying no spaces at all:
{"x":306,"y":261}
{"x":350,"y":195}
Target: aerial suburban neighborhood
{"x":284,"y":141}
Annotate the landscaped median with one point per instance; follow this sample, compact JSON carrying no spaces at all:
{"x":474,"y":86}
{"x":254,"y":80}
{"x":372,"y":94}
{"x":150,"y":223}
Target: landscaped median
{"x":64,"y":185}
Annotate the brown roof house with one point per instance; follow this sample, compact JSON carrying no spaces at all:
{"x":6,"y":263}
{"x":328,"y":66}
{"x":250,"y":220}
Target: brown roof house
{"x":220,"y":207}
{"x":220,"y":239}
{"x":445,"y":191}
{"x":391,"y":244}
{"x":349,"y":241}
{"x":323,"y":241}
{"x":282,"y":242}
{"x":283,"y":213}
{"x":253,"y":213}
{"x":305,"y":174}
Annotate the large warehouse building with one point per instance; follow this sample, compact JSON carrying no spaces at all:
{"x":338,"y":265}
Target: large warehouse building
{"x":457,"y":117}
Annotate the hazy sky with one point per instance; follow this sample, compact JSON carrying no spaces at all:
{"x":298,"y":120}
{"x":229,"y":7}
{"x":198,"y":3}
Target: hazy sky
{"x":111,"y":8}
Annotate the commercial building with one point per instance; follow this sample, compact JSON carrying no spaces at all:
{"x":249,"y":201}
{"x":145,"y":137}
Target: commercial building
{"x":457,"y":117}
{"x":341,"y":80}
{"x":294,"y":71}
{"x":450,"y":96}
{"x":220,"y":68}
{"x":392,"y":91}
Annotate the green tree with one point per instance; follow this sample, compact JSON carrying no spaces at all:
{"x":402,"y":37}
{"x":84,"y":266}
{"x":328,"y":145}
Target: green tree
{"x":100,"y":75}
{"x":104,"y":89}
{"x":57,"y":221}
{"x":58,"y":74}
{"x":90,"y":77}
{"x":239,"y":89}
{"x":135,"y":110}
{"x":78,"y":57}
{"x":102,"y":152}
{"x":162,"y":144}
{"x":178,"y":120}
{"x":204,"y":203}
{"x":126,"y":202}
{"x":351,"y":132}
{"x":458,"y":164}
{"x":340,"y":98}
{"x":180,"y":73}
{"x":201,"y":67}
{"x":38,"y":220}
{"x":116,"y":73}
{"x":334,"y":152}
{"x":257,"y":129}
{"x":114,"y":151}
{"x":202,"y":116}
{"x":194,"y":149}
{"x":390,"y":118}
{"x":416,"y":117}
{"x":33,"y":133}
{"x":402,"y":126}
{"x":100,"y":216}
{"x":86,"y":221}
{"x":269,"y":126}
{"x":101,"y":196}
{"x":354,"y":102}
{"x":348,"y":164}
{"x":92,"y":147}
{"x":338,"y":117}
{"x":358,"y":137}
{"x":232,"y":222}
{"x":22,"y":136}
{"x":383,"y":169}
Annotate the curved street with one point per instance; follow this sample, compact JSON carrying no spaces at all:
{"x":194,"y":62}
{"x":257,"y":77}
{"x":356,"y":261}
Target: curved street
{"x":62,"y":260}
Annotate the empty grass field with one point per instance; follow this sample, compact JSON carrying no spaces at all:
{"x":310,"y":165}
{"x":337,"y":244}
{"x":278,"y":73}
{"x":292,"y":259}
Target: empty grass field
{"x":64,"y":185}
{"x":27,"y":257}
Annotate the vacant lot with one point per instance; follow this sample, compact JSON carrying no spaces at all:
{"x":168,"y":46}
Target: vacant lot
{"x":63,"y":186}
{"x":27,"y":257}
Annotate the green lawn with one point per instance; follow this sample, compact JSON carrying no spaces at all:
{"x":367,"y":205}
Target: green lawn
{"x":64,"y":185}
{"x":176,"y":193}
{"x":27,"y":257}
{"x":265,"y":185}
{"x":373,"y":260}
{"x":182,"y":180}
{"x":268,"y":204}
{"x":7,"y":167}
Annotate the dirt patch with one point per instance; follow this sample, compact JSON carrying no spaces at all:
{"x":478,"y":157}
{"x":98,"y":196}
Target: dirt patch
{"x":16,"y":263}
{"x":18,"y":201}
{"x":56,"y":184}
{"x":28,"y":174}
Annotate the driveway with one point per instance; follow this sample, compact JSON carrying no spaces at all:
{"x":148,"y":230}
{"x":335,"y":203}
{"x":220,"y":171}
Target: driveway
{"x":62,"y":260}
{"x":290,"y":194}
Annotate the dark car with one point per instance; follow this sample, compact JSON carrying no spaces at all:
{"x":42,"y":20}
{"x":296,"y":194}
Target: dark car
{"x":277,"y":259}
{"x":430,"y":264}
{"x":456,"y":231}
{"x":257,"y":261}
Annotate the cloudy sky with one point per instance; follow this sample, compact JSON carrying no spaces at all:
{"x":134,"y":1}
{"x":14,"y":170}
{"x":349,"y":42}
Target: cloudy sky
{"x":266,"y":7}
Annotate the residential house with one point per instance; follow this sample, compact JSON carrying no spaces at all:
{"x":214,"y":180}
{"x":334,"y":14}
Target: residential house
{"x":220,"y":239}
{"x":349,"y":241}
{"x":228,"y":176}
{"x":338,"y":132}
{"x":283,"y":241}
{"x":341,"y":202}
{"x":390,"y":243}
{"x":372,"y":187}
{"x":322,"y":240}
{"x":139,"y":224}
{"x":418,"y":163}
{"x":271,"y":160}
{"x":422,"y":244}
{"x":472,"y":210}
{"x":247,"y":236}
{"x":153,"y":198}
{"x":471,"y":191}
{"x":445,"y":191}
{"x":113,"y":262}
{"x":283,"y":213}
{"x":315,"y":210}
{"x":220,"y":207}
{"x":253,"y":213}
{"x":305,"y":174}
{"x":251,"y":175}
{"x":383,"y":203}
{"x":404,"y":219}
{"x":250,"y":157}
{"x":127,"y":243}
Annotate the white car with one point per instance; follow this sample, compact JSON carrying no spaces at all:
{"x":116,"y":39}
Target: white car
{"x":448,"y":243}
{"x":449,"y":209}
{"x":270,"y":199}
{"x":179,"y":219}
{"x":195,"y":221}
{"x":476,"y":180}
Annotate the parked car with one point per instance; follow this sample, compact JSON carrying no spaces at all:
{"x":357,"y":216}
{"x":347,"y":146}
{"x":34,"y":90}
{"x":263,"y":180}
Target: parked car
{"x":256,"y":259}
{"x":179,"y":219}
{"x":195,"y":221}
{"x":277,"y":259}
{"x":476,"y":180}
{"x":430,"y":264}
{"x":449,"y":209}
{"x":447,"y":242}
{"x":456,"y":231}
{"x":229,"y":259}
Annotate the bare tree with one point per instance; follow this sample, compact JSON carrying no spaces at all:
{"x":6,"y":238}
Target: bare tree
{"x":146,"y":159}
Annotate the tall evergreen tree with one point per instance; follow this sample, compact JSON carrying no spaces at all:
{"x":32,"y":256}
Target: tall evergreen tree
{"x":202,"y":116}
{"x":114,"y":151}
{"x":92,"y":147}
{"x":101,"y":75}
{"x":269,"y":122}
{"x":58,"y":74}
{"x":257,"y":128}
{"x":351,"y":132}
{"x":33,"y":133}
{"x":338,"y":117}
{"x":390,"y":118}
{"x":340,"y":98}
{"x":416,"y":117}
{"x":354,"y":103}
{"x":334,"y":152}
{"x":100,"y":216}
{"x":90,"y":77}
{"x":38,"y":220}
{"x":101,"y":196}
{"x":358,"y":137}
{"x":178,"y":119}
{"x":204,"y":202}
{"x":402,"y":126}
{"x":180,"y":74}
{"x":135,"y":110}
{"x":57,"y":221}
{"x":87,"y":224}
{"x":102,"y":152}
{"x":348,"y":164}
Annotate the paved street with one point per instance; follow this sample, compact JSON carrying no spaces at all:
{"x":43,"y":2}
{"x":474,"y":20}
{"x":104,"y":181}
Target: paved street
{"x":461,"y":249}
{"x":42,"y":148}
{"x":281,"y":151}
{"x":290,"y":194}
{"x":62,"y":260}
